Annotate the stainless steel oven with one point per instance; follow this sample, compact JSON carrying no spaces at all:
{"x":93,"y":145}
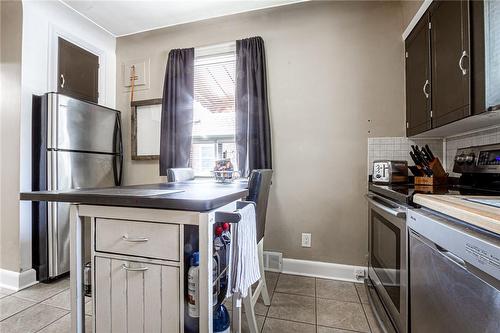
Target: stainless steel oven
{"x":387,"y":265}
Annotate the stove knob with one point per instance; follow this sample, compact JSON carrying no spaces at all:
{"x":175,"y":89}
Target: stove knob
{"x":460,"y":159}
{"x":469,"y":159}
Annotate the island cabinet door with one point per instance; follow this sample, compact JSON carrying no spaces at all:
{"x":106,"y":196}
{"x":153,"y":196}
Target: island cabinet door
{"x":136,"y":297}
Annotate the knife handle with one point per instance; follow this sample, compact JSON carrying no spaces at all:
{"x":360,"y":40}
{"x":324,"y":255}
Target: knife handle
{"x":429,"y":152}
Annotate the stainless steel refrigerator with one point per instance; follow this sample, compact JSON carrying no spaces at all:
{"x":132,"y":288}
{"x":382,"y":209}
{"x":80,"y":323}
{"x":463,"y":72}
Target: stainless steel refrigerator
{"x":76,"y":144}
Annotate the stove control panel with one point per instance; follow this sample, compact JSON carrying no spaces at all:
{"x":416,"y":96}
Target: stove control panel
{"x":478,"y":159}
{"x":489,"y":158}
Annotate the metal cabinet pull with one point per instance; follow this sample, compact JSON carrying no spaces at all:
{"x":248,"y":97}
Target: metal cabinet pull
{"x":424,"y":88}
{"x":134,"y":240}
{"x":62,"y":81}
{"x":134,"y":269}
{"x":460,"y":63}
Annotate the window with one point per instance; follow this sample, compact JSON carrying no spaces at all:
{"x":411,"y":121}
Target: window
{"x":214,"y":110}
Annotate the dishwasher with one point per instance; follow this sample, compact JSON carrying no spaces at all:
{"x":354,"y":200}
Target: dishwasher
{"x":454,"y":272}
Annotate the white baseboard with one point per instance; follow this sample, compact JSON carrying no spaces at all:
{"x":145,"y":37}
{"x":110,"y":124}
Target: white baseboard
{"x":17,"y":281}
{"x":322,"y":269}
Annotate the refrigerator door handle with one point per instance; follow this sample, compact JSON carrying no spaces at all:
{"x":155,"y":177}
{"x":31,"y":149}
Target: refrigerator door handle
{"x":118,"y":159}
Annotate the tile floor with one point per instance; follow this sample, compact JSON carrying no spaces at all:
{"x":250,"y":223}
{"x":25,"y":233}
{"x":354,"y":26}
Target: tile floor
{"x":310,"y":305}
{"x":41,"y":308}
{"x":298,"y":304}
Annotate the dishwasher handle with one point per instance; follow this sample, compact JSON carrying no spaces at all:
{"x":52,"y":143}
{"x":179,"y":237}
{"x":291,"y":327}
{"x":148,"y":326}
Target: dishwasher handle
{"x":379,"y":203}
{"x":444,"y":252}
{"x":454,"y":258}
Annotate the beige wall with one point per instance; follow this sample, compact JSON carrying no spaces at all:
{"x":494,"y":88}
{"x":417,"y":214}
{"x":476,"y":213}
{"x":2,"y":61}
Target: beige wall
{"x":409,"y":8}
{"x":335,"y":72}
{"x":10,"y":113}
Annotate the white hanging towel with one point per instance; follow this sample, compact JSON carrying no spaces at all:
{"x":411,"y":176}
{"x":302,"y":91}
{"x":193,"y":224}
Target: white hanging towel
{"x":244,"y":260}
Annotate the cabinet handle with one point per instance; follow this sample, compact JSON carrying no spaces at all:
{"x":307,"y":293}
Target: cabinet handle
{"x":134,"y":269}
{"x":134,"y":240}
{"x":460,"y":63}
{"x":424,"y":88}
{"x":62,"y":81}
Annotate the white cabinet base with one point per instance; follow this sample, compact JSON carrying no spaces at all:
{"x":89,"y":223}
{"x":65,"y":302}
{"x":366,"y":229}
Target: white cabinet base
{"x":132,"y":296}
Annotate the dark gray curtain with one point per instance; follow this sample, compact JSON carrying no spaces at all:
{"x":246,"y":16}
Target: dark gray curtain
{"x":177,"y":110}
{"x":253,"y":131}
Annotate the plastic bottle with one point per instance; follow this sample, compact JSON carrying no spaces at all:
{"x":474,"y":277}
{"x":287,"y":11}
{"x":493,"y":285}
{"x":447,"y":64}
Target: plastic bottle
{"x":215,"y":274}
{"x":221,"y":321}
{"x":193,"y":286}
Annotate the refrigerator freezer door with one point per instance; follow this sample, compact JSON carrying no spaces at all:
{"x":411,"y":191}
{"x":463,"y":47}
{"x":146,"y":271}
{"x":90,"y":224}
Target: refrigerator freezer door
{"x":71,"y":170}
{"x":83,"y":170}
{"x":81,"y":126}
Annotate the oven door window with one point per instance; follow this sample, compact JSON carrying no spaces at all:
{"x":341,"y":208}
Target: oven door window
{"x":386,"y":256}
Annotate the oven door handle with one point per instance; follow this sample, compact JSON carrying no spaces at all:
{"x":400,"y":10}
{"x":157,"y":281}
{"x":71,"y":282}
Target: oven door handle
{"x":389,"y":210}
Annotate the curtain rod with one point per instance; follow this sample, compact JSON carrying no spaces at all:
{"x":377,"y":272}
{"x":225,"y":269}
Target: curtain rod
{"x":208,"y":46}
{"x":215,"y":49}
{"x":221,"y":44}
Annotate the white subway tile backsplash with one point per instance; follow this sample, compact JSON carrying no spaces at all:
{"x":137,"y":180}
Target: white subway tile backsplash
{"x":398,"y":148}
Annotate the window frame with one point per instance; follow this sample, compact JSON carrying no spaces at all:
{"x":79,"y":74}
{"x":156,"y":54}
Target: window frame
{"x":202,"y":54}
{"x":135,"y":105}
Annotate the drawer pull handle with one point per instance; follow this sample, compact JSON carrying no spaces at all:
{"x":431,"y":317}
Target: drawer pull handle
{"x":134,"y":269}
{"x":135,"y":240}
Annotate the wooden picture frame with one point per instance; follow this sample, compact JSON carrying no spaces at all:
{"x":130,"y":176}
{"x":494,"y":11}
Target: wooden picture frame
{"x":136,"y":156}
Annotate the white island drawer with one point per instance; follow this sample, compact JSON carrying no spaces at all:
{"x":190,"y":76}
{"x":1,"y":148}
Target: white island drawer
{"x":144,"y":239}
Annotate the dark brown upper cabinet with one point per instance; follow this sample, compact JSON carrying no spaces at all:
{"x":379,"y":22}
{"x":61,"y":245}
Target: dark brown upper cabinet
{"x":485,"y":63}
{"x":78,"y":72}
{"x":462,"y":68}
{"x":418,"y":79}
{"x":450,"y":59}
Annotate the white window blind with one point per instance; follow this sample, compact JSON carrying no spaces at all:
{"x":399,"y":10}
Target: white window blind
{"x":214,"y":111}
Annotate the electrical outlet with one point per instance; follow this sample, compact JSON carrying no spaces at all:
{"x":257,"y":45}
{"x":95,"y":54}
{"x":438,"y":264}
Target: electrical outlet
{"x":360,"y":274}
{"x":306,"y":239}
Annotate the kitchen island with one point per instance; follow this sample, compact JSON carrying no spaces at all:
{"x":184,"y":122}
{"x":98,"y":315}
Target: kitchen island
{"x":142,"y":238}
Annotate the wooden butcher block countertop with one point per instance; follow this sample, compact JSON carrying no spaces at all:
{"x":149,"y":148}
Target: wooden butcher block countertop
{"x":480,"y":215}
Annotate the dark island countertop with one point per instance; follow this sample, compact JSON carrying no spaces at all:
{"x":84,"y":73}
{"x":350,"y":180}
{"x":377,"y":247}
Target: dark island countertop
{"x":197,"y":195}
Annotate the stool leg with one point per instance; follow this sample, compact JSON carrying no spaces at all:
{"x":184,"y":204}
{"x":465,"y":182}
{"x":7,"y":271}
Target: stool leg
{"x":250,"y":313}
{"x":236,"y":322}
{"x":264,"y":291}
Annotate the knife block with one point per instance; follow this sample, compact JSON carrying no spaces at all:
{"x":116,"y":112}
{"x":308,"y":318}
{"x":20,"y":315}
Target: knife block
{"x":439,"y":175}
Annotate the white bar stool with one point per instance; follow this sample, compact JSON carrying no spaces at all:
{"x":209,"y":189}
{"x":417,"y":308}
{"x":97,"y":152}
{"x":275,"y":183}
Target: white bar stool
{"x":259,"y":185}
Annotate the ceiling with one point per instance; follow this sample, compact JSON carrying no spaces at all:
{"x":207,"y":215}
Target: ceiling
{"x":126,"y":17}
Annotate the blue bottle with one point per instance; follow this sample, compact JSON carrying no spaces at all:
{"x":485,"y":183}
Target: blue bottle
{"x":221,"y":321}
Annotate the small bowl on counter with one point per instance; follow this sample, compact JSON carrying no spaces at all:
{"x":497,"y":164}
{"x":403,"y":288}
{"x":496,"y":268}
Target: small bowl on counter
{"x":225,"y":176}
